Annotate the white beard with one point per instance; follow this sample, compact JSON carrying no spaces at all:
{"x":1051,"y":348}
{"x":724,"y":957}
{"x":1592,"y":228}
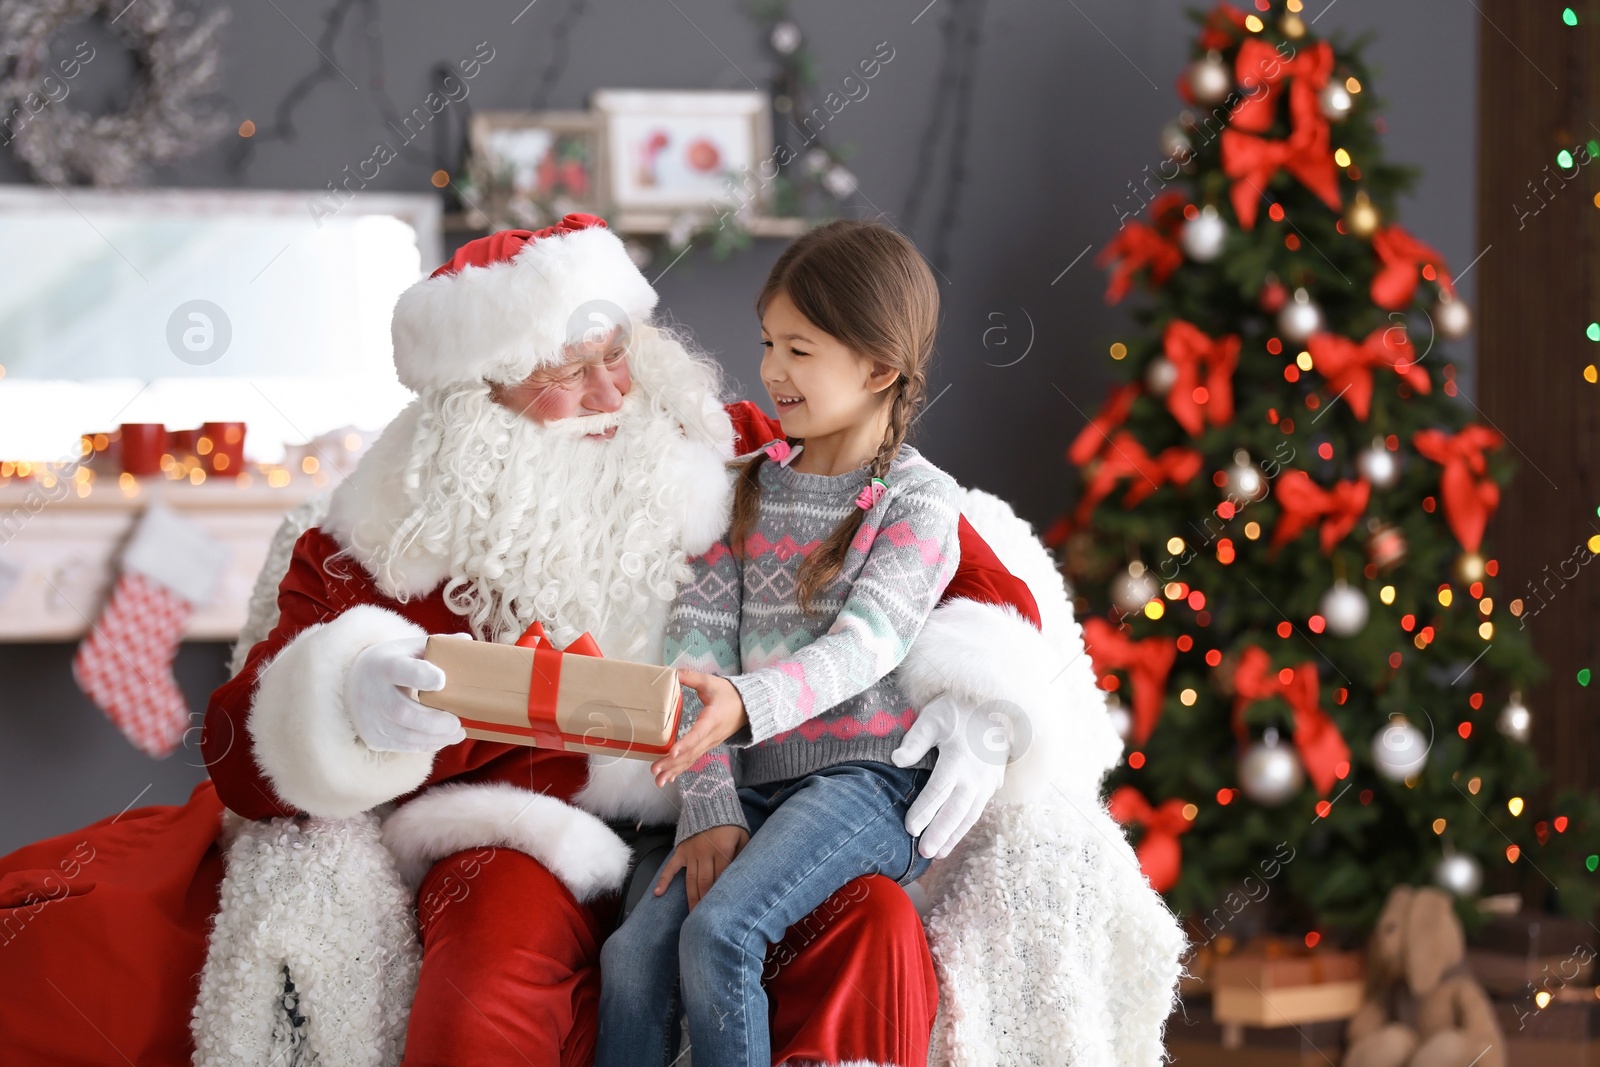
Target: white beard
{"x":538,"y":522}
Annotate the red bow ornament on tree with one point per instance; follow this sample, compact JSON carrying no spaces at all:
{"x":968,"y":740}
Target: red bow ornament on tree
{"x":1160,"y":855}
{"x":1190,"y":400}
{"x":1322,"y":748}
{"x":1223,"y":26}
{"x":1347,"y":366}
{"x":1147,"y":662}
{"x":1470,"y":495}
{"x":1112,"y":414}
{"x":1126,"y":458}
{"x":1252,"y":161}
{"x":1139,"y":246}
{"x":1303,"y":502}
{"x":1260,"y":71}
{"x":1403,"y":258}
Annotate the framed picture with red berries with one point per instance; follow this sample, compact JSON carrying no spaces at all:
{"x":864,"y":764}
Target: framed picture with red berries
{"x":675,"y":151}
{"x":529,"y":168}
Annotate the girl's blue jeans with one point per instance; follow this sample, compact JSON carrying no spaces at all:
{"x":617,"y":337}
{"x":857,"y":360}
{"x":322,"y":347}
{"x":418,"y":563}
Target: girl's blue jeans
{"x":809,"y":836}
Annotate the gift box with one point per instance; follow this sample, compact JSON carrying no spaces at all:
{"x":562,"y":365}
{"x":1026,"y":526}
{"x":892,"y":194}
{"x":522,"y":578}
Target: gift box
{"x":1267,"y":970}
{"x":1275,"y":984}
{"x":573,"y":699}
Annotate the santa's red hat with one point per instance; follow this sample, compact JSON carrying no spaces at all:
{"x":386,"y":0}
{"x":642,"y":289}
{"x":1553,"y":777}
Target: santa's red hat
{"x":506,"y":304}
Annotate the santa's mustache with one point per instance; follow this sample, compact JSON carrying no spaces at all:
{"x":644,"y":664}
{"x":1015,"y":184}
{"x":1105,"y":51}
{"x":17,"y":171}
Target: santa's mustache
{"x":596,"y":423}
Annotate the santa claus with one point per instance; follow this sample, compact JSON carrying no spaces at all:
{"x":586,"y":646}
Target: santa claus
{"x":395,"y":889}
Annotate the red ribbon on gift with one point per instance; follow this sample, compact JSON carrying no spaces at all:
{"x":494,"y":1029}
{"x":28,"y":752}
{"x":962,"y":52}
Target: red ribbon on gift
{"x":1260,"y":64}
{"x":1195,"y":356}
{"x":1126,"y":458}
{"x":1112,"y":414}
{"x":1147,"y":663}
{"x":1402,"y":257}
{"x":1470,"y":495}
{"x":1322,"y":747}
{"x":1347,"y":366}
{"x":544,"y":685}
{"x":1252,"y":161}
{"x":1303,"y":502}
{"x":1160,"y":855}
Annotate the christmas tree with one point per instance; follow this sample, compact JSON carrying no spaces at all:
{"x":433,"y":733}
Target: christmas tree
{"x":1277,"y":550}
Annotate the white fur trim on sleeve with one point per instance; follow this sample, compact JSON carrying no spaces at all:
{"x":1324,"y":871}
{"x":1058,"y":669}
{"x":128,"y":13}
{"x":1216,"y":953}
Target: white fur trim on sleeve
{"x":573,"y":845}
{"x":304,"y":742}
{"x":621,"y":788}
{"x":991,"y":659}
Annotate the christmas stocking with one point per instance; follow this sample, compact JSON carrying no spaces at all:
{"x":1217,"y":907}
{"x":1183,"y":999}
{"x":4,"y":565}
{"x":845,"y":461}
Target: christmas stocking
{"x":169,"y":568}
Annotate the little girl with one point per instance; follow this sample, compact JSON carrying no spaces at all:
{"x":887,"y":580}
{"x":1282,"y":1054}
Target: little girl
{"x":842,"y":540}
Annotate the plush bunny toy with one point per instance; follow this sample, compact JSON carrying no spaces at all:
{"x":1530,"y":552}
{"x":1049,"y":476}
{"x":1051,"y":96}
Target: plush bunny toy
{"x":1422,"y":1007}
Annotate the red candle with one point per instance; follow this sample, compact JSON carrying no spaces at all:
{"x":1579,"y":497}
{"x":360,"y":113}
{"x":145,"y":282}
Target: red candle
{"x":143,"y":444}
{"x":224,"y":453}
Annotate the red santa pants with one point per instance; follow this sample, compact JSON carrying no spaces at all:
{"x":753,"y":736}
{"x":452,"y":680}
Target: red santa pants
{"x":510,"y":971}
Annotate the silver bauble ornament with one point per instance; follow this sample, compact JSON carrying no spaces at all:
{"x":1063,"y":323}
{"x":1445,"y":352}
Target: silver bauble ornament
{"x":1203,"y":235}
{"x":786,"y":37}
{"x":1515,"y":720}
{"x":1335,"y":101}
{"x":1133,"y":588}
{"x":1300,"y":317}
{"x":1452,"y":316}
{"x":1399,"y":750}
{"x":1378,"y":465}
{"x":1159,"y":375}
{"x":1269,"y":772}
{"x":1346,"y":609}
{"x":1121,"y":721}
{"x":1246,"y":484}
{"x":1175,"y":143}
{"x":1210,"y":80}
{"x":1459,"y":874}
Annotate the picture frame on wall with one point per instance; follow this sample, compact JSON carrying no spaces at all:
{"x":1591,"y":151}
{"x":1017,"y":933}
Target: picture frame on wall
{"x":669,"y":151}
{"x":528,"y":168}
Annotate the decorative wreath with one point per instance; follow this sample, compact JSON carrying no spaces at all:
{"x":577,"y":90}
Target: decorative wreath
{"x":166,"y":118}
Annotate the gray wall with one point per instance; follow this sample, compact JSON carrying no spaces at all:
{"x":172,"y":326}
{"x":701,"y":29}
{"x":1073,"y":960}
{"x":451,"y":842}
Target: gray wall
{"x":1068,"y":99}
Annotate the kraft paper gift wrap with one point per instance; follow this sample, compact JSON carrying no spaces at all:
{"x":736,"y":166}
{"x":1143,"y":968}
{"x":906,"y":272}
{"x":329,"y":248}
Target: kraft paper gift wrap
{"x":532,"y":694}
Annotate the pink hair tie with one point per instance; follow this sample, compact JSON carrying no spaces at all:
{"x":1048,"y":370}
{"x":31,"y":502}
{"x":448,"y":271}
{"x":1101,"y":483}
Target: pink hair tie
{"x":781,"y":452}
{"x":871,"y":493}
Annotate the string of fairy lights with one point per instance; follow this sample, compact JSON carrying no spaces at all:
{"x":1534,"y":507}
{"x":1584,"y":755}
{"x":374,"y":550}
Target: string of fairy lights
{"x":1565,"y":160}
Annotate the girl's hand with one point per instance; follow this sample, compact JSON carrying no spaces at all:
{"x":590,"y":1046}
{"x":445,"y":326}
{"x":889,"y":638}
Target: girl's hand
{"x":703,"y":858}
{"x":721,"y":716}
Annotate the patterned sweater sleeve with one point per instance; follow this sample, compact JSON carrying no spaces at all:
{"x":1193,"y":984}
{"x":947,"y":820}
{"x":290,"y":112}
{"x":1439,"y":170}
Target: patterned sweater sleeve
{"x":703,"y":635}
{"x":910,"y":541}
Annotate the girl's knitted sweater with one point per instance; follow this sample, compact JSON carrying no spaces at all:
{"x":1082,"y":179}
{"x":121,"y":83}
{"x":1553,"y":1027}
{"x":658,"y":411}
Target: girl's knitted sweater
{"x":816,"y":686}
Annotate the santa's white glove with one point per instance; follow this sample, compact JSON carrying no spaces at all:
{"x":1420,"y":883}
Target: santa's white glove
{"x":386,"y":718}
{"x":972,"y":764}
